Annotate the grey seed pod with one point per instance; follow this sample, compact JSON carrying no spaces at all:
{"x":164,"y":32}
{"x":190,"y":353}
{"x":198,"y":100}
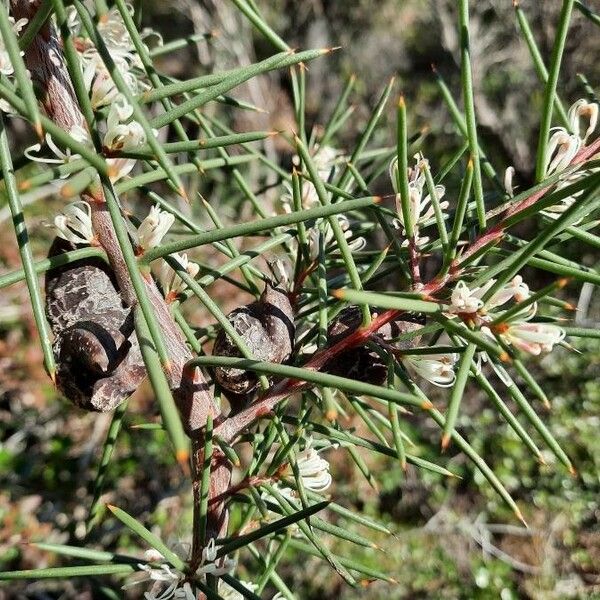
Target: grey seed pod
{"x":98,"y":358}
{"x":361,"y":363}
{"x":267,"y":328}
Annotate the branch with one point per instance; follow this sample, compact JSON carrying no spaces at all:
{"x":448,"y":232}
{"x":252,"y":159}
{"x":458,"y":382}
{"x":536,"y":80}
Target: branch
{"x":45,"y":60}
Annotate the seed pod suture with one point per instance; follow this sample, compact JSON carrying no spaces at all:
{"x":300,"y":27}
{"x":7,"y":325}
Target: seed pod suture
{"x":267,"y":328}
{"x":98,"y":358}
{"x":362,"y":363}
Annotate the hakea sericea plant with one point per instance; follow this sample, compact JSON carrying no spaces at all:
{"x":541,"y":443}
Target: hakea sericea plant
{"x":318,"y":342}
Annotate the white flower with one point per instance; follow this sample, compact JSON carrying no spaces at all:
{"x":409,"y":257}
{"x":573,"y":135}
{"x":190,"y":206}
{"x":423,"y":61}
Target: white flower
{"x":166,"y":583}
{"x":163,"y":573}
{"x":154,"y":227}
{"x":74,"y":224}
{"x":562,"y":145}
{"x":73,"y":22}
{"x":586,"y":110}
{"x":464,"y":300}
{"x":325,"y":159}
{"x":516,"y":289}
{"x":436,"y":368}
{"x":313,"y":470}
{"x":508,"y":180}
{"x":228,"y":593}
{"x":116,"y":37}
{"x":171,"y":283}
{"x":77,"y":132}
{"x":355,"y":244}
{"x":420,"y":206}
{"x":562,"y":148}
{"x":209,"y":564}
{"x":121,"y":136}
{"x":6,"y":67}
{"x":533,"y":338}
{"x":99,"y":83}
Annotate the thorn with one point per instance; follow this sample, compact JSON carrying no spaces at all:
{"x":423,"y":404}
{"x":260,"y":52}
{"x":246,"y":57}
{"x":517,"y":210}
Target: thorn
{"x":470,"y":163}
{"x":39,"y":130}
{"x":339,"y":294}
{"x":426,"y":405}
{"x":505,"y":357}
{"x":168,"y":366}
{"x":404,"y":465}
{"x":183,"y":458}
{"x":111,"y":507}
{"x":52,"y":375}
{"x":515,"y":3}
{"x":274,"y":133}
{"x":520,"y":517}
{"x":401,"y":102}
{"x":546,"y":404}
{"x":569,"y":306}
{"x":445,"y":442}
{"x":67,"y":191}
{"x":562,"y":282}
{"x":572,"y":471}
{"x":434,"y":68}
{"x":377,"y":199}
{"x":542,"y":460}
{"x":332,"y":49}
{"x":23,"y":186}
{"x":181,"y":191}
{"x":331,"y":415}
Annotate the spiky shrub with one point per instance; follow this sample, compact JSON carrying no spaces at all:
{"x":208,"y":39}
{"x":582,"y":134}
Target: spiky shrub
{"x":251,"y":421}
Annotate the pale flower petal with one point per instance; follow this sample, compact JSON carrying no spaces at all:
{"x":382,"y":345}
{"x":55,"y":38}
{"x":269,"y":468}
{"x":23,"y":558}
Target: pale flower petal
{"x":74,"y":224}
{"x":154,"y":227}
{"x":436,"y":368}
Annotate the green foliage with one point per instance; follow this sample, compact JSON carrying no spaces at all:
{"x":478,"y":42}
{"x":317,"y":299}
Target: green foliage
{"x":447,"y":293}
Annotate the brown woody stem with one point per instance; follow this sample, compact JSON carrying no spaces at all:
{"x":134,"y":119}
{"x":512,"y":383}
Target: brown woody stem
{"x":44,"y":59}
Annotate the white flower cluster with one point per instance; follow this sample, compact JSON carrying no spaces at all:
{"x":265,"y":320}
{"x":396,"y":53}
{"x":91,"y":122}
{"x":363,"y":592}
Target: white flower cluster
{"x":326,"y":160}
{"x":122,"y":132}
{"x":564,"y":146}
{"x":169,"y":583}
{"x":97,"y":79}
{"x":313,"y":470}
{"x":420,"y":204}
{"x":533,"y":338}
{"x":6,"y":66}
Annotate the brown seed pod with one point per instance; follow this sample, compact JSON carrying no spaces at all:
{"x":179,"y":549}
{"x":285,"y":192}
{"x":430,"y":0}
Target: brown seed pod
{"x":361,"y":363}
{"x":267,"y":328}
{"x":98,"y":358}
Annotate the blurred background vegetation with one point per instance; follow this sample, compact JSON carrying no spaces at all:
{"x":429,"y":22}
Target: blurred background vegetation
{"x":454,"y":538}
